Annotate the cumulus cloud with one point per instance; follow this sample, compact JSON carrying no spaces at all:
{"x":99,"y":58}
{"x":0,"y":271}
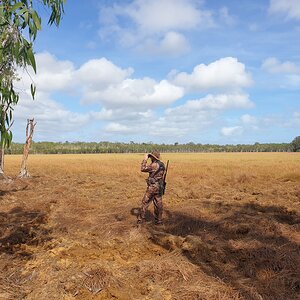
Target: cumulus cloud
{"x":289,"y":8}
{"x":169,"y":128}
{"x":125,"y":102}
{"x":151,"y":16}
{"x":273,"y":65}
{"x":248,"y":119}
{"x":53,"y":119}
{"x":195,"y":116}
{"x":101,"y":81}
{"x":119,"y":128}
{"x":225,"y":73}
{"x":129,"y":105}
{"x":99,"y":73}
{"x":198,"y":115}
{"x":232,"y":131}
{"x":144,"y":92}
{"x":172,"y":43}
{"x":53,"y":74}
{"x":214,"y":102}
{"x":150,"y":28}
{"x":122,"y":114}
{"x":288,"y":71}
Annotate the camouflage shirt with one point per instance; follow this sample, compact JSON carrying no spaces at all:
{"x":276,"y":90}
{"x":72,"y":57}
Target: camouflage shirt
{"x":155,"y":169}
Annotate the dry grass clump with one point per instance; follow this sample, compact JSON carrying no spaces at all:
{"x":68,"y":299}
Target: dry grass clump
{"x":96,"y":280}
{"x":174,"y":277}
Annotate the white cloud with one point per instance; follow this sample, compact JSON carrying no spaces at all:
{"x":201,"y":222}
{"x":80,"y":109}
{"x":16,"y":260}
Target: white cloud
{"x":251,"y":122}
{"x":198,"y":116}
{"x":165,"y":15}
{"x":273,"y":65}
{"x":193,"y":117}
{"x":213,"y":102}
{"x":288,"y":71}
{"x":225,"y":73}
{"x":127,"y":105}
{"x":232,"y":131}
{"x":119,"y":128}
{"x":99,"y":73}
{"x":144,"y":92}
{"x":100,"y":81}
{"x":172,"y":43}
{"x":167,"y":127}
{"x":248,"y":119}
{"x":52,"y":74}
{"x":123,"y":114}
{"x":289,"y":8}
{"x":154,"y":26}
{"x":53,"y":119}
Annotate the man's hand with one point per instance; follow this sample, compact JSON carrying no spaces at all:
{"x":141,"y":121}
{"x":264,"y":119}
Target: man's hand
{"x":146,"y":156}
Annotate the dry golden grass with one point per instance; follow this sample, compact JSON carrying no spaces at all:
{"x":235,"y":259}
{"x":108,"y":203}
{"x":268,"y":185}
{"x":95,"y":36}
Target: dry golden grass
{"x":231,"y":228}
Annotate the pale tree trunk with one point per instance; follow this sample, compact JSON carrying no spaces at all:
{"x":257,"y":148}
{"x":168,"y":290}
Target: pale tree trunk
{"x":29,"y":134}
{"x":2,"y":176}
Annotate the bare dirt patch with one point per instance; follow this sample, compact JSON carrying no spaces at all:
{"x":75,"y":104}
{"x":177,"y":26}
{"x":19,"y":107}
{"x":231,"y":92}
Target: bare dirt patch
{"x":231,"y":229}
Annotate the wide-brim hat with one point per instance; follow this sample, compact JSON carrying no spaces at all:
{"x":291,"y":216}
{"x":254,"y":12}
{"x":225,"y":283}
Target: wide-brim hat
{"x":155,"y":154}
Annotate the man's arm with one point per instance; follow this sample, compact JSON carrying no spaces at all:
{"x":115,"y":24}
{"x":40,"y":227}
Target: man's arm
{"x":150,"y":168}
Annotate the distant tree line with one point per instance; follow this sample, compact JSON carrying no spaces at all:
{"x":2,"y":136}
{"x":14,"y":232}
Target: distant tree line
{"x":132,"y":147}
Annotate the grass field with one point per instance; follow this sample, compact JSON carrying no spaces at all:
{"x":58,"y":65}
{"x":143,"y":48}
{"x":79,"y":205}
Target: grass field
{"x":231,"y":228}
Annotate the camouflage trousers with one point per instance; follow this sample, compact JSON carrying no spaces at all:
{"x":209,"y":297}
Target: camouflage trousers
{"x":152,"y":194}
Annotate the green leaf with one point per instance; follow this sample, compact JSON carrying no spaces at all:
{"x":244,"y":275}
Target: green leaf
{"x":37,"y":20}
{"x":17,"y":6}
{"x":32,"y":90}
{"x":26,"y":17}
{"x":22,"y":11}
{"x":10,"y":136}
{"x":31,"y":58}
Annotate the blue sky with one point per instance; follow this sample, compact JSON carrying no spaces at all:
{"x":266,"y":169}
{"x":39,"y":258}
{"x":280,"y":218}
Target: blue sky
{"x":167,"y":71}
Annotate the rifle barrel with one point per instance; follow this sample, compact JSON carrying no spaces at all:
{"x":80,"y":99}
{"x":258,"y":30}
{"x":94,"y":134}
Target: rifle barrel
{"x":165,"y":175}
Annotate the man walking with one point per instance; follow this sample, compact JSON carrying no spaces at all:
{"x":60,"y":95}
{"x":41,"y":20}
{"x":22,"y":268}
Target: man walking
{"x":155,"y":187}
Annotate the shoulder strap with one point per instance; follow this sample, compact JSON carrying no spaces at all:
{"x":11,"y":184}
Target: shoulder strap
{"x":160,"y":168}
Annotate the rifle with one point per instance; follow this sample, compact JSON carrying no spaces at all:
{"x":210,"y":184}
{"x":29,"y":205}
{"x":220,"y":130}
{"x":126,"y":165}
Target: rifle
{"x":164,"y":178}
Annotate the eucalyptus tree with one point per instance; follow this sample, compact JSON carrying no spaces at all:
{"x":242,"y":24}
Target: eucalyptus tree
{"x":295,"y":144}
{"x":20,"y":23}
